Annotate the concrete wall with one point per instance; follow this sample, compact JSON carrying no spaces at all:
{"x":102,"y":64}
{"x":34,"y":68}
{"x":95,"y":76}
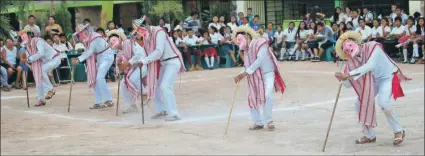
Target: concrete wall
{"x":416,"y":6}
{"x":92,"y":13}
{"x":128,"y":12}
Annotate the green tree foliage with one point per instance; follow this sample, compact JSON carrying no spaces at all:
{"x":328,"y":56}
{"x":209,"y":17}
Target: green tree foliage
{"x":5,"y":25}
{"x":168,"y":9}
{"x":63,"y":17}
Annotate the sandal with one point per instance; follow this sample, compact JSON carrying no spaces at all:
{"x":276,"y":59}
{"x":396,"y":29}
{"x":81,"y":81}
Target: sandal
{"x":256,"y":127}
{"x":365,"y":140}
{"x":270,"y":126}
{"x":398,"y":141}
{"x":97,"y":106}
{"x":6,"y":89}
{"x":50,"y":94}
{"x":109,"y":103}
{"x":40,"y":103}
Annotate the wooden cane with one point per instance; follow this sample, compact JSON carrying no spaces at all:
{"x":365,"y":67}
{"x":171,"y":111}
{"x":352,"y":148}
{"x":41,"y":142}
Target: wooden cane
{"x":141,"y":96}
{"x":70,"y":87}
{"x":231,"y":108}
{"x":332,"y":116}
{"x":26,"y":85}
{"x":118,"y":98}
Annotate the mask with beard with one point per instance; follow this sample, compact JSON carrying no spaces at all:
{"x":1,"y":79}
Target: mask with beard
{"x":351,"y":48}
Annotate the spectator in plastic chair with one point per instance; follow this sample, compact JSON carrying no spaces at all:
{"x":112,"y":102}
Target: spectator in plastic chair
{"x":241,"y":16}
{"x":327,"y":33}
{"x":364,"y":30}
{"x":354,"y":19}
{"x":31,"y":26}
{"x":58,"y":45}
{"x":420,"y":33}
{"x":289,"y":41}
{"x":277,"y":44}
{"x":191,"y":40}
{"x":53,"y":28}
{"x":302,"y":39}
{"x":254,"y":24}
{"x":210,"y":53}
{"x":249,"y":14}
{"x":374,"y":30}
{"x":349,"y":26}
{"x":393,"y":12}
{"x":383,"y":30}
{"x":226,"y":44}
{"x":233,"y":24}
{"x":410,"y":30}
{"x":270,"y":31}
{"x":10,"y":56}
{"x":65,"y":41}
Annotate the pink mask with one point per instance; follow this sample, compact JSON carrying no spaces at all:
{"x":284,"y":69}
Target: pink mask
{"x":83,"y":36}
{"x":143,"y":31}
{"x":351,"y":48}
{"x":242,"y":42}
{"x":24,"y":38}
{"x":114,"y":42}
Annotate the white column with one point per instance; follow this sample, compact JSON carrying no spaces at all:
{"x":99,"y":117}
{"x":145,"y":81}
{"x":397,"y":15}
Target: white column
{"x":241,"y":7}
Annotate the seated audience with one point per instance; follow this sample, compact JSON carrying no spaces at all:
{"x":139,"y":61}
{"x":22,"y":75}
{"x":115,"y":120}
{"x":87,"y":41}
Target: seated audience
{"x":10,"y":57}
{"x":190,"y":40}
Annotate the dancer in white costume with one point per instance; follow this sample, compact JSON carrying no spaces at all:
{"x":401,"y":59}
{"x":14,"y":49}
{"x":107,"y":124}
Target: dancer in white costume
{"x":371,"y":72}
{"x":129,"y":52}
{"x":43,"y":59}
{"x":99,"y":58}
{"x":164,"y":62}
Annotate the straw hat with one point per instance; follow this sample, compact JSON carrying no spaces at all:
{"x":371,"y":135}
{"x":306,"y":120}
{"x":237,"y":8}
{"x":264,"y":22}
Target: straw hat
{"x":356,"y":37}
{"x":245,"y":29}
{"x":118,"y":33}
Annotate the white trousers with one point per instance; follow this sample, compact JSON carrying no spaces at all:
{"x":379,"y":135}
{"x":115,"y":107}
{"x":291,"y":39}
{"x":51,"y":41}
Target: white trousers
{"x":383,"y":88}
{"x":46,"y":67}
{"x":135,"y":80}
{"x":268,"y":79}
{"x":101,"y":90}
{"x":164,"y":97}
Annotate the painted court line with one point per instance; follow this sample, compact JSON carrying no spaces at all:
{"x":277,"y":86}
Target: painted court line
{"x":197,"y":119}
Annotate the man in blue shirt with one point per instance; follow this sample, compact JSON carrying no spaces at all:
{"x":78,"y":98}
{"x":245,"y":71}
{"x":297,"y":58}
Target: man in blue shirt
{"x":254,"y":23}
{"x":330,"y":40}
{"x":249,"y":14}
{"x":240,"y":18}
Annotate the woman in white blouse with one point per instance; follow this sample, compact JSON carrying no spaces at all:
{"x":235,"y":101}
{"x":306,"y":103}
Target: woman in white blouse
{"x":374,"y":31}
{"x":302,"y":39}
{"x":215,"y":23}
{"x":338,"y":16}
{"x":233,"y":24}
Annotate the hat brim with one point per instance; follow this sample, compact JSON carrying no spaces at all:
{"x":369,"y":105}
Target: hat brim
{"x":81,"y":30}
{"x":347,"y":35}
{"x":245,"y":29}
{"x":117,"y":32}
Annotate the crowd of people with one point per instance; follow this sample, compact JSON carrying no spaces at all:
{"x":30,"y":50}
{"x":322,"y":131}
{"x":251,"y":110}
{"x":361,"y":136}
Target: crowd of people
{"x":308,"y":39}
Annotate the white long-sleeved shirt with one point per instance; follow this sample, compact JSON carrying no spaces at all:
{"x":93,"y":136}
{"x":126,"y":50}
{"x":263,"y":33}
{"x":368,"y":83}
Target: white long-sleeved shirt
{"x":97,"y":46}
{"x":366,"y":32}
{"x":340,"y":18}
{"x":190,"y":40}
{"x":163,"y":50}
{"x":378,"y":63}
{"x":45,"y":52}
{"x":138,"y":53}
{"x":263,"y":61}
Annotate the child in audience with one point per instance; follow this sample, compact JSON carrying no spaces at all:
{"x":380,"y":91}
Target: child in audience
{"x":210,"y":53}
